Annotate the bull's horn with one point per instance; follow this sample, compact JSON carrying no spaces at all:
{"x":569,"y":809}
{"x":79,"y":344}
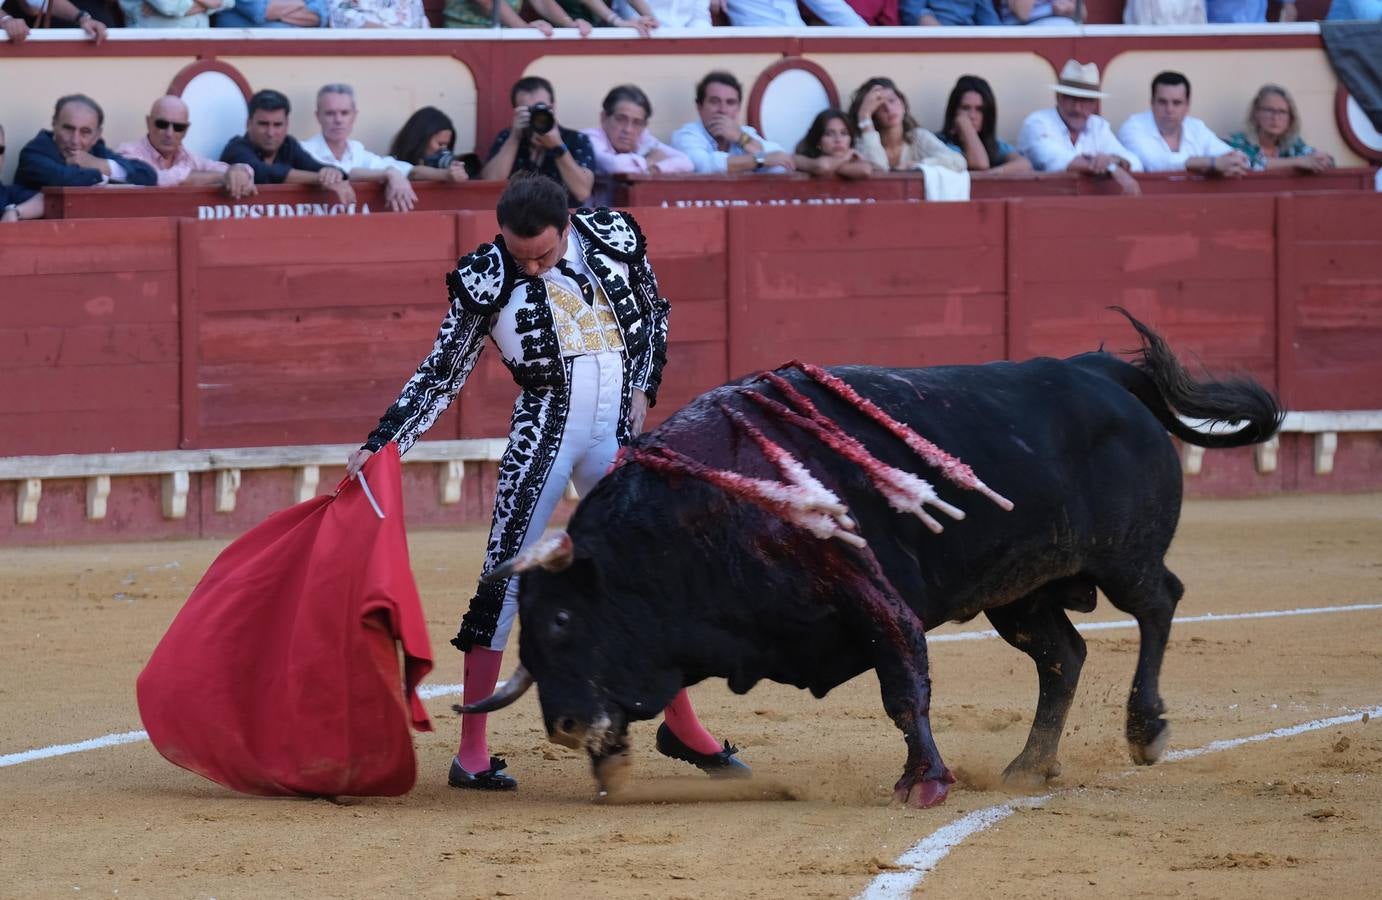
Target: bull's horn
{"x":553,"y":552}
{"x":508,"y":692}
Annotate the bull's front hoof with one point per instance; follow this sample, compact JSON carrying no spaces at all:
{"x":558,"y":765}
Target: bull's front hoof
{"x":1148,"y":752}
{"x":923,"y":793}
{"x":611,"y":773}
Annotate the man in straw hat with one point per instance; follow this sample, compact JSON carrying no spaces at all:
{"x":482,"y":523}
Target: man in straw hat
{"x":1072,"y":137}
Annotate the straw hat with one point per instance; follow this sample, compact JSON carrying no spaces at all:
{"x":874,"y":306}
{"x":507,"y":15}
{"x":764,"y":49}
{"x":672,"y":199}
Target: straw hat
{"x":1078,"y":80}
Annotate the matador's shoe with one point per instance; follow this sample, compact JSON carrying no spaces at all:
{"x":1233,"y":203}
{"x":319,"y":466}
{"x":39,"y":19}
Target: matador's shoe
{"x":719,"y":765}
{"x":491,"y":779}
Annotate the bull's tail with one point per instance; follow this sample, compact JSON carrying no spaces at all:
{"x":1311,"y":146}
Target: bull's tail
{"x":1158,"y":379}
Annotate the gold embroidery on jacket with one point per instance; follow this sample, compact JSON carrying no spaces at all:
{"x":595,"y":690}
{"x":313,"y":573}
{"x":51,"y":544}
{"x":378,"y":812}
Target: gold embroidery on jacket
{"x":581,"y":328}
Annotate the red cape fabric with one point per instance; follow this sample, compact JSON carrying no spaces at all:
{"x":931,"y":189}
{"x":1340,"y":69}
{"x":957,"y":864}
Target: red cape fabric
{"x":281,"y":675}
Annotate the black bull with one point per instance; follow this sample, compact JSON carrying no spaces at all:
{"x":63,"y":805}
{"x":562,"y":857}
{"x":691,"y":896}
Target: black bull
{"x":670,"y":577}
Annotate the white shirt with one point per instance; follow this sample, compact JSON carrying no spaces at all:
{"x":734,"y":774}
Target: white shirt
{"x":777,"y":13}
{"x":696,"y":142}
{"x":356,"y":156}
{"x":671,"y":13}
{"x":1140,"y":135}
{"x":1045,"y":140}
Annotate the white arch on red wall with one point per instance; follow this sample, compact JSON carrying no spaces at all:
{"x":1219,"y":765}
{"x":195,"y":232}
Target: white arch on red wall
{"x":217,"y":95}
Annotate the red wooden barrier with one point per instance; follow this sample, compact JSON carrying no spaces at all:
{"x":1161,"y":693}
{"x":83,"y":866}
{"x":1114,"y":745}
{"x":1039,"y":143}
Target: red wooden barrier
{"x":1201,"y":269}
{"x":274,"y":201}
{"x":89,"y":337}
{"x":305,"y":329}
{"x":1331,"y":298}
{"x":895,"y":284}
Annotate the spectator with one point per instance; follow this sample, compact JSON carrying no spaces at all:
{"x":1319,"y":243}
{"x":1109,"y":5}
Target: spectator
{"x":172,"y":13}
{"x":971,"y":125}
{"x":1350,"y":10}
{"x":478,"y":14}
{"x":1071,"y":137}
{"x":784,"y":13}
{"x":1166,"y":138}
{"x":948,"y":12}
{"x":274,"y":14}
{"x":1229,"y":12}
{"x":73,"y":154}
{"x":17,"y":202}
{"x":1164,"y":12}
{"x":332,"y":146}
{"x":671,"y":13}
{"x":1041,"y":13}
{"x":642,"y":20}
{"x":875,"y":12}
{"x":377,"y":14}
{"x":889,"y":137}
{"x":623,"y":144}
{"x":1273,"y":139}
{"x":275,"y":156}
{"x":428,"y":141}
{"x":536,"y":142}
{"x":718,"y":144}
{"x":828,"y":148}
{"x":63,"y":11}
{"x":173,"y":164}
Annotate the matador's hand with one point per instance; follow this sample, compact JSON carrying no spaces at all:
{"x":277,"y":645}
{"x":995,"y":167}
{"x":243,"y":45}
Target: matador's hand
{"x":638,"y":411}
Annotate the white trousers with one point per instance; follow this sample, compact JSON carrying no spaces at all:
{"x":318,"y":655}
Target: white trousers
{"x":589,"y":443}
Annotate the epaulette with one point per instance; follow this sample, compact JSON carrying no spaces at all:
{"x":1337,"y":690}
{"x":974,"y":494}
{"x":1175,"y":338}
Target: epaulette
{"x":613,"y":233}
{"x":482,"y":279}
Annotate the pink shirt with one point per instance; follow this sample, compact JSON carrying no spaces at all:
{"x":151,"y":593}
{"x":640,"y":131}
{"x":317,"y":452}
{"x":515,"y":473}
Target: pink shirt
{"x":608,"y":161}
{"x":176,"y":172}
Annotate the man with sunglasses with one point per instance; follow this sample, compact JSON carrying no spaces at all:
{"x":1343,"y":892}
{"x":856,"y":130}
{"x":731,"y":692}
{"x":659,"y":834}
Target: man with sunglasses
{"x":16,"y":202}
{"x":161,"y":148}
{"x":73,"y":154}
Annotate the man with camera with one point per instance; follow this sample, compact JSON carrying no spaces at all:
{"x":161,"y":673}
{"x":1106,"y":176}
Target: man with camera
{"x":536,"y":143}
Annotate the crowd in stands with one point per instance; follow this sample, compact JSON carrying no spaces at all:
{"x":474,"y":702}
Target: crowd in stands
{"x":643,"y":16}
{"x":877,"y":134}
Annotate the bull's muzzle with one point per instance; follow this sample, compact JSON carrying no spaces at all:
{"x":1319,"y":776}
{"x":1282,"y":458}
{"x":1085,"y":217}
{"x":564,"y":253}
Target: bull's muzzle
{"x":508,"y":692}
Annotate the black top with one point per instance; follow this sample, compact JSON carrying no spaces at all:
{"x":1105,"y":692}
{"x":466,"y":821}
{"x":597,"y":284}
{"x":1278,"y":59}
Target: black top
{"x":576,"y":143}
{"x":290,"y":156}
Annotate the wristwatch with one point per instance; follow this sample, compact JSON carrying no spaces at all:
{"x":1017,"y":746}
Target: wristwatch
{"x":743,"y":139}
{"x":865,"y":124}
{"x":759,"y":161}
{"x":82,"y":17}
{"x":1112,"y":167}
{"x":558,"y":151}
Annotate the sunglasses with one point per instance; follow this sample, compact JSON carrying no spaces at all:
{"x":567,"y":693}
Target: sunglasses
{"x":2,"y":149}
{"x":164,"y":125}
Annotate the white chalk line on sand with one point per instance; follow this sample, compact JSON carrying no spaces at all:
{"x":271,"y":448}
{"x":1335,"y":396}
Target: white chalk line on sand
{"x":921,"y":858}
{"x":429,"y":691}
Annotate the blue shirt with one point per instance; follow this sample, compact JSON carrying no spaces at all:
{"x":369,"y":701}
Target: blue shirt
{"x":1225,"y":12}
{"x":1005,"y":150}
{"x":251,"y":13}
{"x":13,"y":194}
{"x":949,"y":12}
{"x":1345,"y":10}
{"x":577,"y":144}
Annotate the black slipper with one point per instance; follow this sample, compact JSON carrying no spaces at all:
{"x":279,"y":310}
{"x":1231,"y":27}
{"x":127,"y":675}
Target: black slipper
{"x":721,"y":765}
{"x":491,"y":779}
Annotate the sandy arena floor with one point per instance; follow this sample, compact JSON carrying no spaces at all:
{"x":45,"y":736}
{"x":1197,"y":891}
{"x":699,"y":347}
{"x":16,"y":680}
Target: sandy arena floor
{"x":1289,"y":817}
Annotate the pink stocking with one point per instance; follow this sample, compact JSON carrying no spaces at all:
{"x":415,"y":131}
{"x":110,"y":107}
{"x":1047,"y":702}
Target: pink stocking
{"x":481,"y":674}
{"x":682,"y":721}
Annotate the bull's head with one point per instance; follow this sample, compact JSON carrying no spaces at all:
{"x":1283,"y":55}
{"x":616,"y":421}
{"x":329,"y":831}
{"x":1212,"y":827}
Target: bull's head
{"x":589,"y":652}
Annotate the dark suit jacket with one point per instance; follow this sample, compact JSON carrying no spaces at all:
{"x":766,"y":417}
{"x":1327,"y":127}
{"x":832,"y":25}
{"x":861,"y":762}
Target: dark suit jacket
{"x":289,"y":157}
{"x":41,"y":165}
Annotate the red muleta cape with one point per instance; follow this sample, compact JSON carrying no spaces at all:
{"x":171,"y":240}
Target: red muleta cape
{"x":280,"y":675}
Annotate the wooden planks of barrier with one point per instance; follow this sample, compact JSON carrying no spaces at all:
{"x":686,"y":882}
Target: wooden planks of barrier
{"x":89,"y":336}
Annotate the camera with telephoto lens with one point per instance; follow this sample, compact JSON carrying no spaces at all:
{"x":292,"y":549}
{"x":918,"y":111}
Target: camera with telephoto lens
{"x":541,"y":118}
{"x":442,"y":159}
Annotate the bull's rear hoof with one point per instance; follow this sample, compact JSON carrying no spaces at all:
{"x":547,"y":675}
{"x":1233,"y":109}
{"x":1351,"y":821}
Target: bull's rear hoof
{"x":1149,"y":752}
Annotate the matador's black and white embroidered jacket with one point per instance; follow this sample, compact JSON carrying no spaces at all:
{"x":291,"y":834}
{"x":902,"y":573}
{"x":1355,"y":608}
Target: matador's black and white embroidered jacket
{"x":490,"y":297}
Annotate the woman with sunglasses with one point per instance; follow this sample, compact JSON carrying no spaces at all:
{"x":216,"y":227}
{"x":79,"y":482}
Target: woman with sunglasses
{"x":161,"y":147}
{"x":1272,"y":140}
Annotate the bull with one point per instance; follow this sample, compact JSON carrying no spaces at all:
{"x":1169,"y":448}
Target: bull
{"x":782,"y":527}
